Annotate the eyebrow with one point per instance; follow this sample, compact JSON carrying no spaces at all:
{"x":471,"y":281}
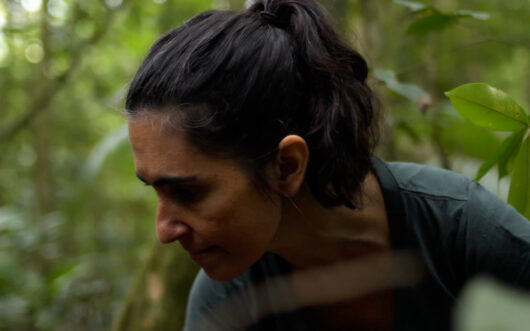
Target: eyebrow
{"x":168,"y":180}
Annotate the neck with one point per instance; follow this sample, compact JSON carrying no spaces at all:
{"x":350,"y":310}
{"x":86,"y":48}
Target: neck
{"x":311,"y":235}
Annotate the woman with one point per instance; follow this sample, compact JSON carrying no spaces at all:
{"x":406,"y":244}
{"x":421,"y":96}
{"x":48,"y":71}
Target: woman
{"x":255,"y":129}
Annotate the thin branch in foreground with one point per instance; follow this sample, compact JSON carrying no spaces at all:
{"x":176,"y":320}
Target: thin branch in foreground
{"x":323,"y":285}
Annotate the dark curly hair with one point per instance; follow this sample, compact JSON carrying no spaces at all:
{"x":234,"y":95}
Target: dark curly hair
{"x":239,"y":82}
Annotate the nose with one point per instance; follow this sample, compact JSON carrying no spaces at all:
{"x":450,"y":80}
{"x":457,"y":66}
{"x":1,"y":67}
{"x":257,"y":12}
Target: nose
{"x":168,"y":227}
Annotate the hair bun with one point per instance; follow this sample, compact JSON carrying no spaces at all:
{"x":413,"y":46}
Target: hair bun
{"x":269,"y":17}
{"x":274,"y":12}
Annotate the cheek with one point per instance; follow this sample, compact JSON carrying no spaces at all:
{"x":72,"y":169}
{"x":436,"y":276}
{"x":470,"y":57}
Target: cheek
{"x":241,"y":217}
{"x":244,"y":230}
{"x":254,"y":221}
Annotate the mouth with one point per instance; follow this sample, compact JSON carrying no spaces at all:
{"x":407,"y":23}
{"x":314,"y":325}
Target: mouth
{"x":203,"y":254}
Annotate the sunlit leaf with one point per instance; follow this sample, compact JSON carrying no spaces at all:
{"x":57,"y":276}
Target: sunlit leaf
{"x":65,"y":273}
{"x":488,"y":107}
{"x":519,"y":195}
{"x":434,"y":21}
{"x":412,"y":5}
{"x":409,"y":91}
{"x":503,"y":153}
{"x":473,"y":14}
{"x":61,"y":269}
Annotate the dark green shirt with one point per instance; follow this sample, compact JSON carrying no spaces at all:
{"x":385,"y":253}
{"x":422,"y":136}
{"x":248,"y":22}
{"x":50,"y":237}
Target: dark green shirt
{"x":459,"y":229}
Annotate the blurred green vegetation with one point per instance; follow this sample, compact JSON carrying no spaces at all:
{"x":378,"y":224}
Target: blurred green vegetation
{"x":76,"y":225}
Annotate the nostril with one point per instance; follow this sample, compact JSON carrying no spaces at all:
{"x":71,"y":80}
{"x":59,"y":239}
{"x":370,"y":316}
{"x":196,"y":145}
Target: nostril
{"x":172,"y":231}
{"x":180,"y":229}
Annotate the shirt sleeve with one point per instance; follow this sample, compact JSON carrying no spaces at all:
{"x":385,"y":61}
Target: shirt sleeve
{"x":495,"y":239}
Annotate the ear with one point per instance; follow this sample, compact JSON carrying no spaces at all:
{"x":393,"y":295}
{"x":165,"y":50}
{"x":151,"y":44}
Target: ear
{"x":291,"y":165}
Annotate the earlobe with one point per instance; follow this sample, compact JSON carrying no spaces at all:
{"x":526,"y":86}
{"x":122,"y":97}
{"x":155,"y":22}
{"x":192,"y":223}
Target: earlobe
{"x":292,"y":159}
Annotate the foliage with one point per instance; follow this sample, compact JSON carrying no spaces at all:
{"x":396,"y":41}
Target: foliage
{"x":432,"y":19}
{"x":491,"y":108}
{"x":410,"y":91}
{"x":74,"y":223}
{"x":76,"y":226}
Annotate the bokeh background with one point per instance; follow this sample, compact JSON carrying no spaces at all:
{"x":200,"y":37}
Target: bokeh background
{"x":78,"y":249}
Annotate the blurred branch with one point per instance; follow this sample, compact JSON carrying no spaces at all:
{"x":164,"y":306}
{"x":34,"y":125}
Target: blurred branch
{"x":423,"y":64}
{"x":43,"y":182}
{"x":436,"y":137}
{"x":161,"y":286}
{"x":45,"y":34}
{"x":4,"y":73}
{"x":46,"y":92}
{"x":515,"y":43}
{"x":436,"y":111}
{"x":8,"y":28}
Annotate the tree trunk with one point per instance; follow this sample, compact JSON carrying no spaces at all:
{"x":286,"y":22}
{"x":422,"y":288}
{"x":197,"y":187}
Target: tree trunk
{"x":158,"y":297}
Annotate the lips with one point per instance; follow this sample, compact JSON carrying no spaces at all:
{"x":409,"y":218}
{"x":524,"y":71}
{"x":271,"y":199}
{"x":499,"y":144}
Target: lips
{"x":199,"y":251}
{"x":201,"y":255}
{"x":194,"y":245}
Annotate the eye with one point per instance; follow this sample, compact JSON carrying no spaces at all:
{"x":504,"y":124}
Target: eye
{"x":186,"y":195}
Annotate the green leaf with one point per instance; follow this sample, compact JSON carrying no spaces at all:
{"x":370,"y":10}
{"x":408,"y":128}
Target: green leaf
{"x":488,"y":107}
{"x":519,"y":195}
{"x":409,"y":91}
{"x":507,"y":158}
{"x":99,"y":153}
{"x":504,"y":152}
{"x":472,"y":14}
{"x":414,"y":6}
{"x":435,"y":21}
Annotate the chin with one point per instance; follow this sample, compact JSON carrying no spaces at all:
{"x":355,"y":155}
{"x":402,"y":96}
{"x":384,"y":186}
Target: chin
{"x":222,"y":274}
{"x":227,"y":269}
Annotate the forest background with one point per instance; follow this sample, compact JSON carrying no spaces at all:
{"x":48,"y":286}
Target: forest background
{"x":78,"y":250}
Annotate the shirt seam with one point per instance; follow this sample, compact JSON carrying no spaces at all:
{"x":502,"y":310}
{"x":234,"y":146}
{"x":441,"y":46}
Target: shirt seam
{"x":432,"y":196}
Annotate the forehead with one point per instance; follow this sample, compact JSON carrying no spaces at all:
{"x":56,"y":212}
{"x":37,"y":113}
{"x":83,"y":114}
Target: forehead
{"x":161,"y":150}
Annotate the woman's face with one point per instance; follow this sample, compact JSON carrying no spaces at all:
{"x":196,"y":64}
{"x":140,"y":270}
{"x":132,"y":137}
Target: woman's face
{"x":209,"y":204}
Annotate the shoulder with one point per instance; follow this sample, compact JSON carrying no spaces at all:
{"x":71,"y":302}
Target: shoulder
{"x":453,"y":199}
{"x":461,"y":225}
{"x":430,"y":181}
